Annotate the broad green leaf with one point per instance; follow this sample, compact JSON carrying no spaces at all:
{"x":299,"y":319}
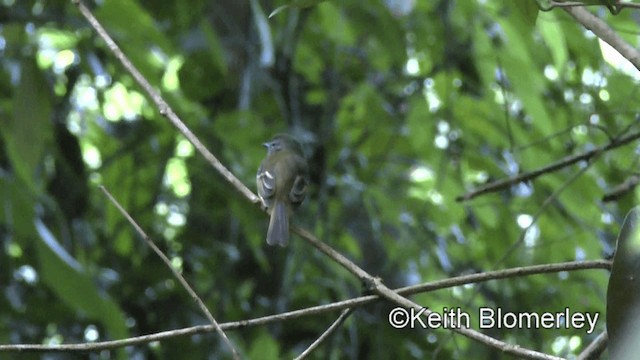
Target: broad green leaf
{"x":66,"y":277}
{"x":554,"y":37}
{"x":136,"y":32}
{"x":526,"y":10}
{"x":523,"y":74}
{"x":16,"y":208}
{"x":28,"y":132}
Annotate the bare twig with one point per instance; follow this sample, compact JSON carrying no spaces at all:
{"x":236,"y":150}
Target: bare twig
{"x":343,"y":316}
{"x":528,"y":176}
{"x":176,"y":274}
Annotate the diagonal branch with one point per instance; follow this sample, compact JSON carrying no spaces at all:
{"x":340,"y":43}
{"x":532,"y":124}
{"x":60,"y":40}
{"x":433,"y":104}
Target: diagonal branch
{"x":528,"y":176}
{"x":605,"y":33}
{"x":343,"y":316}
{"x":176,"y":274}
{"x":596,"y":348}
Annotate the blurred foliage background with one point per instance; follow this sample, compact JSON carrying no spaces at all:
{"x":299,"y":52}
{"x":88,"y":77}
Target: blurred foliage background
{"x":401,"y":105}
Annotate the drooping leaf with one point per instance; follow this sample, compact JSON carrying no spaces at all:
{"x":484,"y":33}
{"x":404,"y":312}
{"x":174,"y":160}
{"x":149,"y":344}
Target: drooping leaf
{"x":67,"y":278}
{"x":295,"y":4}
{"x":28,"y":132}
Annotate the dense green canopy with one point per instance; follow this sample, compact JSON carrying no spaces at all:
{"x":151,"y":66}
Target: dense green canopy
{"x":404,"y":109}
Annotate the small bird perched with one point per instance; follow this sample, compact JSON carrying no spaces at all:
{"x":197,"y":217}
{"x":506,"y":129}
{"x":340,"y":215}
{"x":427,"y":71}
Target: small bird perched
{"x":282,"y":184}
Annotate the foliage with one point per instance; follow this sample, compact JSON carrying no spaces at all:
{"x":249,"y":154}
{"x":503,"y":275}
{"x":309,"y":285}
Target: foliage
{"x":402,"y":106}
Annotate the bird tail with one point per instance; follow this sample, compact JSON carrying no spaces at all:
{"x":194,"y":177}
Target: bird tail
{"x":278,"y":232}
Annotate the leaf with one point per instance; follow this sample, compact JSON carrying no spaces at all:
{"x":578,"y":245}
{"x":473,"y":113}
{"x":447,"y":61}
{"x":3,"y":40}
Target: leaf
{"x":553,"y":35}
{"x":137,"y":33}
{"x":295,"y":4}
{"x":623,"y":293}
{"x":66,"y":277}
{"x":216,"y":51}
{"x":16,"y":208}
{"x":28,"y":132}
{"x":518,"y":61}
{"x":264,"y":347}
{"x":527,"y":10}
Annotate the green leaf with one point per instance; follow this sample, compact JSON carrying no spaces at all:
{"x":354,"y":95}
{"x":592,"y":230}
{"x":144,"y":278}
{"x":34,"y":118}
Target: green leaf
{"x":295,"y":4}
{"x":66,"y":277}
{"x":522,"y":72}
{"x":526,"y":10}
{"x":553,"y":35}
{"x":16,"y":208}
{"x":136,"y":32}
{"x":28,"y":132}
{"x":216,"y":51}
{"x":264,"y":347}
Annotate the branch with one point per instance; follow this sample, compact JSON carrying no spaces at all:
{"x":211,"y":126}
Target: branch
{"x":615,"y":7}
{"x":176,"y":274}
{"x":605,"y":33}
{"x":345,"y":314}
{"x":595,"y":349}
{"x":316,"y":310}
{"x":504,"y":274}
{"x":569,"y":160}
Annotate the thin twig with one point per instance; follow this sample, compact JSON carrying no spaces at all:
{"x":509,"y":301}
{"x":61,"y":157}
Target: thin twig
{"x":528,"y":176}
{"x":343,"y":316}
{"x":175,"y":272}
{"x":595,"y":349}
{"x":504,"y":274}
{"x":316,"y":310}
{"x":547,"y":202}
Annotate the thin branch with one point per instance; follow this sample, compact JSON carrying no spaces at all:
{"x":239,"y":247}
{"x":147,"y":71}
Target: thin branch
{"x":595,"y":349}
{"x":620,"y":190}
{"x":528,"y":176}
{"x":603,"y":31}
{"x":175,"y":272}
{"x":547,"y":202}
{"x":504,"y":274}
{"x":617,"y":6}
{"x":343,"y":316}
{"x":316,"y":310}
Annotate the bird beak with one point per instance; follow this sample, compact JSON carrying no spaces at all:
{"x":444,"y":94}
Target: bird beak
{"x":266,"y":144}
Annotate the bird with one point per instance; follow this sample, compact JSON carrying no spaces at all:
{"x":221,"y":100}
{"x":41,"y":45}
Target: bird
{"x":282,"y":180}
